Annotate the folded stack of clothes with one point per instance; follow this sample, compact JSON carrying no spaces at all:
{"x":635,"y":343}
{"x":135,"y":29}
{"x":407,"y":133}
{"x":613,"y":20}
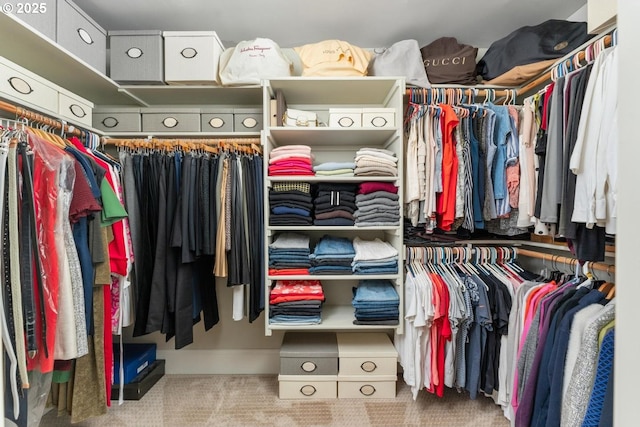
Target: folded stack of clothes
{"x":376,"y":162}
{"x":334,"y":169}
{"x":376,"y":302}
{"x":291,"y":160}
{"x":290,"y":203}
{"x":332,"y":255}
{"x":296,"y":302}
{"x":374,"y":257}
{"x":334,"y":204}
{"x":377,"y":204}
{"x":289,"y":255}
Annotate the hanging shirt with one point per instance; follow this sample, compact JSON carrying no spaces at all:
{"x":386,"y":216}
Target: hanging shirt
{"x":446,"y":201}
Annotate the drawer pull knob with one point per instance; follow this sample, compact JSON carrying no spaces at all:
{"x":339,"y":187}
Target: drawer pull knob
{"x":110,"y":122}
{"x":170,"y":122}
{"x":379,"y":122}
{"x":20,"y":85}
{"x":346,"y":122}
{"x":216,"y":123}
{"x":77,"y":110}
{"x":85,"y":36}
{"x":367,"y":390}
{"x":308,"y":390}
{"x":134,"y":52}
{"x":368,"y":366}
{"x":308,"y":366}
{"x":189,"y":52}
{"x":250,"y":122}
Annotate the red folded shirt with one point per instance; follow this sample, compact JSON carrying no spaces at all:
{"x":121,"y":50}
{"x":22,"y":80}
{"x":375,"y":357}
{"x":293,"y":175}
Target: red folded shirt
{"x":288,"y":271}
{"x":371,"y":187}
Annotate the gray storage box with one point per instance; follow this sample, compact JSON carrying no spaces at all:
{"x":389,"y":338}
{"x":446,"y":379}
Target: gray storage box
{"x":117,"y":119}
{"x":81,"y":35}
{"x":173,"y":120}
{"x":309,"y":354}
{"x":216,"y":120}
{"x":40,"y":15}
{"x":136,"y":57}
{"x":247,"y":119}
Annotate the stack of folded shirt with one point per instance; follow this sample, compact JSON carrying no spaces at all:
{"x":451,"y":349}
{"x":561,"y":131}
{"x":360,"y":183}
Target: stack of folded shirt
{"x":291,"y":160}
{"x":374,"y":257}
{"x":334,"y":169}
{"x":290,"y":203}
{"x":289,"y":255}
{"x":296,"y":302}
{"x":334,"y":204}
{"x":332,"y":255}
{"x":376,"y":302}
{"x":376,"y":162}
{"x":377,"y":204}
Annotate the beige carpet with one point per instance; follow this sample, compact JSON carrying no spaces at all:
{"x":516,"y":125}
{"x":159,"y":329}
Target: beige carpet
{"x":244,"y":401}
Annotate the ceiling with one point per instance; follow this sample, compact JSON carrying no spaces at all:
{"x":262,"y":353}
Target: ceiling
{"x":365,"y":23}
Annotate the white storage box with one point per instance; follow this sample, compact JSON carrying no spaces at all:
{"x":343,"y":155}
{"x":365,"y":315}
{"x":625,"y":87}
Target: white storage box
{"x":374,"y":387}
{"x":216,"y":120}
{"x":27,"y":88}
{"x":308,"y":386}
{"x":120,"y":119}
{"x":81,"y":35}
{"x":74,"y":108}
{"x":345,"y":117}
{"x":378,"y":117}
{"x":40,"y":15}
{"x":366,"y":354}
{"x":247,"y":119}
{"x":191,"y":57}
{"x":136,"y":57}
{"x":174,"y":120}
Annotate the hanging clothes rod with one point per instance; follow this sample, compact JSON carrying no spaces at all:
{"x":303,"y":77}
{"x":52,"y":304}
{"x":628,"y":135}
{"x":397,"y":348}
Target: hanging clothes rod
{"x":20,"y":112}
{"x":565,"y":260}
{"x":207,"y":141}
{"x":454,"y":95}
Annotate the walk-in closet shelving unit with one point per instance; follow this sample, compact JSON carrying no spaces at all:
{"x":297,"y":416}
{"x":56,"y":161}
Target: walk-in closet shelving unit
{"x":335,"y":144}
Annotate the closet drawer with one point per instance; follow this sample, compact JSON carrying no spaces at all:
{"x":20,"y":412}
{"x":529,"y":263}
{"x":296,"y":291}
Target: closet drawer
{"x":120,"y":120}
{"x":40,"y":15}
{"x":368,"y":366}
{"x":75,"y":109}
{"x":309,"y":354}
{"x":379,"y":387}
{"x":136,"y":57}
{"x":308,"y":387}
{"x":176,"y":120}
{"x":191,"y":57}
{"x":81,"y":35}
{"x":26,"y":86}
{"x":247,"y":119}
{"x":216,"y":120}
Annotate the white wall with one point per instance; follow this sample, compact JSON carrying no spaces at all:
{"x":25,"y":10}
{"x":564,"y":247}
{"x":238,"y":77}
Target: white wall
{"x":627,"y":370}
{"x":580,"y":15}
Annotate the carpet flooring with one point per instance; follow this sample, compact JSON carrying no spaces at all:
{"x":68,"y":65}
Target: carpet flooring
{"x":250,"y":400}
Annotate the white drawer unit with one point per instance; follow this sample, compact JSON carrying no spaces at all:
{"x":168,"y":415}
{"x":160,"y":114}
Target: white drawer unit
{"x":216,"y":120}
{"x":308,"y":386}
{"x":74,"y":108}
{"x":381,"y":118}
{"x":81,"y":35}
{"x":375,"y":387}
{"x":191,"y":57}
{"x":117,"y":119}
{"x":366,"y":354}
{"x":136,"y":57}
{"x":27,"y":88}
{"x":174,"y":120}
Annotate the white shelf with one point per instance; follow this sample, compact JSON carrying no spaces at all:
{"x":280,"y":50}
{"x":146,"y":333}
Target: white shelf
{"x":30,"y":49}
{"x":241,"y":96}
{"x":317,"y":178}
{"x":334,"y":317}
{"x":332,"y":228}
{"x":328,"y":137}
{"x":335,"y":277}
{"x":186,"y":134}
{"x":337,"y":91}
